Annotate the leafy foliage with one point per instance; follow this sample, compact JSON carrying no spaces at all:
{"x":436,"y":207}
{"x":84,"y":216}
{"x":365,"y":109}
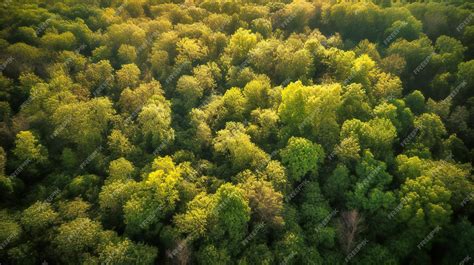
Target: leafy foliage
{"x":236,"y":132}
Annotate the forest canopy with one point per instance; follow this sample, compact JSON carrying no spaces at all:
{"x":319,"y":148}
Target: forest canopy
{"x":236,"y":132}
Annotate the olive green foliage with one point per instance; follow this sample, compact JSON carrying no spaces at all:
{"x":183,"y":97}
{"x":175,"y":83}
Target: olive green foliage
{"x":236,"y":132}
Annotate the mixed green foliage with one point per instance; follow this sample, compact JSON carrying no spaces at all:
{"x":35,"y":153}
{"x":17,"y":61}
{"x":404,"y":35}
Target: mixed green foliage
{"x":236,"y":132}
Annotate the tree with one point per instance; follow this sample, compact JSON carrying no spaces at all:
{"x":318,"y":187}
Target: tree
{"x":97,"y":76}
{"x":27,"y":147}
{"x":464,"y":74}
{"x":38,"y":217}
{"x":451,"y":52}
{"x":236,"y":132}
{"x":85,"y":186}
{"x":237,"y":148}
{"x":156,"y":196}
{"x":399,"y":115}
{"x":118,"y":144}
{"x":127,"y":54}
{"x":223,"y":215}
{"x":128,"y":76}
{"x":377,"y":134}
{"x":387,"y":87}
{"x":120,"y":170}
{"x":292,"y":63}
{"x":262,"y":26}
{"x":409,"y":29}
{"x":131,"y":101}
{"x":260,"y":253}
{"x":337,"y":184}
{"x":195,"y":221}
{"x":26,"y":57}
{"x":348,"y":150}
{"x":257,"y":93}
{"x":264,"y":126}
{"x":312,"y":109}
{"x":366,"y":47}
{"x":459,"y":245}
{"x":370,"y":193}
{"x":230,"y":215}
{"x":394,"y":64}
{"x":125,"y":33}
{"x":190,"y":91}
{"x":426,"y":203}
{"x":414,"y":52}
{"x":262,"y":56}
{"x":57,"y":42}
{"x":241,"y":42}
{"x":234,"y":104}
{"x":6,"y":184}
{"x":112,"y":199}
{"x":416,"y":102}
{"x":454,"y":177}
{"x":155,"y":122}
{"x":126,"y":252}
{"x":274,"y":172}
{"x":190,"y":50}
{"x":265,"y":202}
{"x":361,"y":72}
{"x":76,"y":238}
{"x":210,"y":254}
{"x":10,"y":229}
{"x":70,"y":210}
{"x":408,"y":167}
{"x":207,"y":75}
{"x":375,"y":254}
{"x":431,"y":129}
{"x":350,"y":224}
{"x":84,"y":123}
{"x":300,"y":157}
{"x":354,"y":104}
{"x":315,"y":216}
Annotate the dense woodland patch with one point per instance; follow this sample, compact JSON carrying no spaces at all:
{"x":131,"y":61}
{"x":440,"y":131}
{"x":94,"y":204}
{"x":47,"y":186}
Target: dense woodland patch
{"x":236,"y":132}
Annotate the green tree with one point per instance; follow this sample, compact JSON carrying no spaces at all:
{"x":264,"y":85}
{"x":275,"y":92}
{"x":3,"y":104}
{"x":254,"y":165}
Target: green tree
{"x":237,"y":148}
{"x":120,"y":169}
{"x":127,"y":252}
{"x":266,"y":203}
{"x":128,"y":76}
{"x":38,"y":217}
{"x":416,"y":102}
{"x":156,"y":196}
{"x":257,"y":93}
{"x":127,"y":54}
{"x":190,"y":91}
{"x":427,"y":202}
{"x":301,"y":157}
{"x":118,"y":144}
{"x":223,"y":215}
{"x":57,"y":42}
{"x":84,"y":123}
{"x":27,"y":147}
{"x":377,"y":134}
{"x":241,"y":42}
{"x":372,"y":182}
{"x":431,"y":129}
{"x":155,"y":122}
{"x":76,"y":238}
